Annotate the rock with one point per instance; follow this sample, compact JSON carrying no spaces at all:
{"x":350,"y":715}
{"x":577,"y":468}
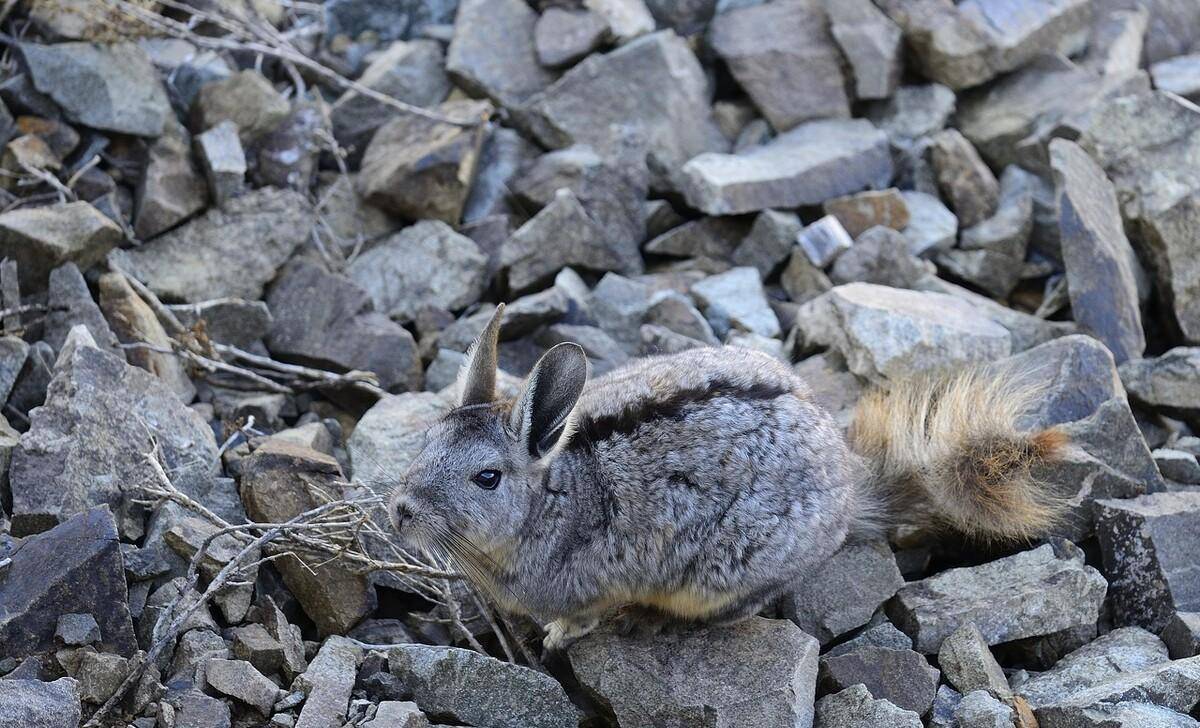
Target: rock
{"x":197,"y":710}
{"x":991,"y":254}
{"x":233,"y":321}
{"x":391,"y":434}
{"x":77,"y":629}
{"x":1182,"y":635}
{"x":70,"y":303}
{"x":229,"y":252}
{"x":890,"y":333}
{"x":408,"y":71}
{"x":40,"y":239}
{"x":881,"y":635}
{"x":112,"y":87}
{"x":1122,"y":651}
{"x":36,"y":704}
{"x":1036,"y":592}
{"x":1171,"y":685}
{"x":627,"y":19}
{"x":901,"y":677}
{"x":99,"y":675}
{"x":769,"y":242}
{"x":87,"y":578}
{"x":277,"y":484}
{"x":287,"y":635}
{"x":1179,"y":75}
{"x":871,"y":43}
{"x":504,"y":153}
{"x":349,"y":217}
{"x":1117,"y":715}
{"x":944,"y":704}
{"x":824,"y":240}
{"x":945,"y":47}
{"x":913,"y":112}
{"x":30,"y":389}
{"x":492,"y":52}
{"x":796,"y":168}
{"x":561,"y":235}
{"x":832,"y":385}
{"x":427,"y":264}
{"x":562,"y":37}
{"x":1102,"y":270}
{"x":862,"y":211}
{"x":238,"y":679}
{"x":855,"y":708}
{"x":603,"y":351}
{"x":287,"y":155}
{"x":405,"y":19}
{"x":245,"y":98}
{"x":1148,"y":552}
{"x":783,"y":55}
{"x":968,"y":664}
{"x":675,"y":312}
{"x":1177,"y":465}
{"x":254,"y":644}
{"x":13,"y":353}
{"x":420,"y":168}
{"x":652,"y":89}
{"x":327,"y":683}
{"x":136,"y":323}
{"x":224,"y":163}
{"x":979,"y":709}
{"x":713,"y":237}
{"x":1116,"y":42}
{"x":736,"y":300}
{"x":765,"y":674}
{"x":619,"y":306}
{"x":468,"y":687}
{"x":880,"y":255}
{"x":845,"y":591}
{"x":172,"y":188}
{"x":931,"y":225}
{"x":963,"y":178}
{"x":397,"y":714}
{"x":27,"y":151}
{"x":85,"y":446}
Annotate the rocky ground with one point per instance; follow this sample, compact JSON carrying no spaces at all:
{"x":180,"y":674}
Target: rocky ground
{"x":246,"y":243}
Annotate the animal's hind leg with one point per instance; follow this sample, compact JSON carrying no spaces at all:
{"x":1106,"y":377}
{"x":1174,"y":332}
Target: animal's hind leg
{"x":564,"y":631}
{"x":745,"y":608}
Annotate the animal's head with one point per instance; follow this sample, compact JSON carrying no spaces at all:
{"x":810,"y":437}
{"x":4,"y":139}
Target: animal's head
{"x":481,"y":473}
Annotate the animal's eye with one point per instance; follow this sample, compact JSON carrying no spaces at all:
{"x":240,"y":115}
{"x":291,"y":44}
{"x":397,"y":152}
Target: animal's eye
{"x":487,"y":479}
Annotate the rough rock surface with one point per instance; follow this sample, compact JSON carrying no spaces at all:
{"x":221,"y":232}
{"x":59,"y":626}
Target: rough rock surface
{"x":854,"y":707}
{"x":866,"y":572}
{"x":43,"y":238}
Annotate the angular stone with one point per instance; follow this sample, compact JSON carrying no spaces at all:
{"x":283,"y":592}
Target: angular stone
{"x":99,"y":675}
{"x":352,"y":19}
{"x":398,"y":714}
{"x":881,"y":635}
{"x":880,"y":255}
{"x":112,"y":86}
{"x":627,"y":19}
{"x":40,"y":239}
{"x":197,"y":710}
{"x":902,"y":677}
{"x":1036,"y":592}
{"x":769,"y":242}
{"x":238,"y":679}
{"x":1179,"y":75}
{"x":913,"y":112}
{"x":245,"y":98}
{"x":963,"y":178}
{"x":1171,"y":685}
{"x":77,"y":629}
{"x":504,"y":153}
{"x":87,"y":578}
{"x":277,"y":484}
{"x":70,"y":303}
{"x":288,"y":636}
{"x":860,"y":212}
{"x":991,"y":254}
{"x":855,"y":708}
{"x":783,"y":55}
{"x":327,"y":683}
{"x":931,"y":225}
{"x":845,"y":591}
{"x":351,"y":221}
{"x":468,"y":687}
{"x":872,"y":44}
{"x":1150,"y":551}
{"x":758,"y":672}
{"x":1102,"y":269}
{"x":979,"y":709}
{"x":563,"y":36}
{"x":420,"y":168}
{"x":136,"y":323}
{"x":13,"y":353}
{"x":37,"y":704}
{"x":287,"y":155}
{"x":172,"y":188}
{"x":652,"y":89}
{"x":942,"y":713}
{"x":254,"y":644}
{"x":1117,"y":715}
{"x":968,"y":664}
{"x":223,"y":161}
{"x":492,"y":52}
{"x":229,"y":252}
{"x":1122,"y":651}
{"x":824,"y":240}
{"x":1116,"y":42}
{"x":713,"y":237}
{"x":233,"y":321}
{"x":890,"y":333}
{"x":675,"y":312}
{"x":811,"y":163}
{"x":736,"y":300}
{"x":391,"y":434}
{"x":1182,"y":635}
{"x":1177,"y":465}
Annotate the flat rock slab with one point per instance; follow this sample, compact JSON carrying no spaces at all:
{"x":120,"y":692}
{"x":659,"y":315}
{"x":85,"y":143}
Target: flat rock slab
{"x":1168,"y":383}
{"x":40,"y":239}
{"x":327,"y":683}
{"x":1172,"y":685}
{"x":1038,"y":592}
{"x":1124,"y":650}
{"x":904,"y":678}
{"x":845,"y":591}
{"x":757,"y":672}
{"x":36,"y":704}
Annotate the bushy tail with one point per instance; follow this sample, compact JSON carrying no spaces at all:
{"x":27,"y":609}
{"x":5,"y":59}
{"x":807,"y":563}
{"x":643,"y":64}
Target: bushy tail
{"x":948,"y":451}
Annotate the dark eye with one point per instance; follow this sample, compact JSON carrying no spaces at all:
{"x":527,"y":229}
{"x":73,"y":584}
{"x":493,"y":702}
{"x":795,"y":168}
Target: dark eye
{"x":487,"y":479}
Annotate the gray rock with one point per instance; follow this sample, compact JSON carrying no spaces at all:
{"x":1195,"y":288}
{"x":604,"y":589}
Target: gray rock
{"x":391,"y":434}
{"x":1182,"y":635}
{"x":70,"y":303}
{"x":1116,"y":42}
{"x":1166,"y":383}
{"x":890,"y":333}
{"x":197,"y":710}
{"x":504,"y":153}
{"x":420,"y":168}
{"x":85,"y":446}
{"x":528,"y":313}
{"x":492,"y":52}
{"x":1171,"y":685}
{"x":736,"y":300}
{"x":1179,"y":75}
{"x":77,"y":629}
{"x":254,"y":644}
{"x":223,"y":161}
{"x":880,"y":255}
{"x":404,"y":19}
{"x":862,"y":211}
{"x":769,"y":242}
{"x":36,"y":704}
{"x":1122,"y":651}
{"x":963,"y":178}
{"x":13,"y":352}
{"x":287,"y":155}
{"x":1036,"y":592}
{"x":1149,"y":552}
{"x":881,"y":635}
{"x":172,"y":188}
{"x":427,"y":264}
{"x":845,"y":591}
{"x":228,"y":252}
{"x":350,"y":220}
{"x":652,"y":89}
{"x":1117,"y":715}
{"x":135,"y":322}
{"x":656,"y":339}
{"x":563,"y":36}
{"x":112,"y":87}
{"x":979,"y":709}
{"x":238,"y":679}
{"x":871,"y":43}
{"x":87,"y":578}
{"x":991,"y":254}
{"x":468,"y":687}
{"x":855,"y":708}
{"x":832,"y":385}
{"x":408,"y":71}
{"x":327,"y":683}
{"x":233,"y":321}
{"x":397,"y":714}
{"x":765,"y":675}
{"x":675,"y":312}
{"x":619,"y":306}
{"x":713,"y":237}
{"x":783,"y":55}
{"x":824,"y":240}
{"x":945,"y":47}
{"x":931,"y":225}
{"x":287,"y":635}
{"x":99,"y":675}
{"x":40,"y":239}
{"x":811,"y":163}
{"x":245,"y":98}
{"x":913,"y":112}
{"x":628,"y":19}
{"x":1177,"y":465}
{"x":1102,"y":270}
{"x":944,"y":704}
{"x":902,"y":677}
{"x":603,"y":351}
{"x":969,"y":665}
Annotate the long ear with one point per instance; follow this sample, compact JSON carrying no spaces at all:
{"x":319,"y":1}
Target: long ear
{"x":477,"y":377}
{"x":542,"y":417}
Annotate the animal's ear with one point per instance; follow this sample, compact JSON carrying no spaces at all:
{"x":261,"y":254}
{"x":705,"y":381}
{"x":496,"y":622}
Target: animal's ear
{"x":542,"y":417}
{"x":477,"y":377}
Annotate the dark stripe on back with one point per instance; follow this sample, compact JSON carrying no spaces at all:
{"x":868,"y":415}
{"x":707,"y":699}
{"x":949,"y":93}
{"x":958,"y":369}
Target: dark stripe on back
{"x":595,"y":429}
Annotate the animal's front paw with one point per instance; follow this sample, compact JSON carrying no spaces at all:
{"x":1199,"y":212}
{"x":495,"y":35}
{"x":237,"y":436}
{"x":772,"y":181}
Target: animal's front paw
{"x":562,"y":633}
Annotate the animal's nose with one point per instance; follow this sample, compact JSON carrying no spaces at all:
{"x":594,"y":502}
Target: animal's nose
{"x":401,"y":513}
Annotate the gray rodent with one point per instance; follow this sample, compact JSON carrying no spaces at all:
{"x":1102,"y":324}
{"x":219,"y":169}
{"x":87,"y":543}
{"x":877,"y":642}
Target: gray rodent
{"x":699,"y":485}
